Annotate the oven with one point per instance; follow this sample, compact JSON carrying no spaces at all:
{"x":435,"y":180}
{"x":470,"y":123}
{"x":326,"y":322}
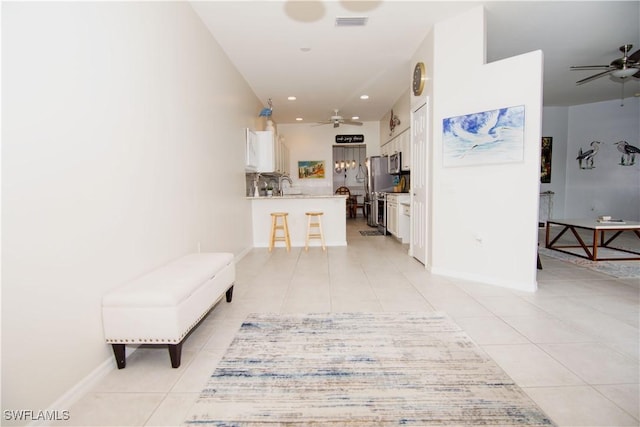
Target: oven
{"x":380,"y":201}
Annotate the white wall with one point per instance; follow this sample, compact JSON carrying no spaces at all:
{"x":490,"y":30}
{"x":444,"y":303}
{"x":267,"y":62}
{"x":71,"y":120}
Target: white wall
{"x":122,"y":148}
{"x":485,"y":217}
{"x":401,"y":109}
{"x":309,"y":142}
{"x":608,"y":189}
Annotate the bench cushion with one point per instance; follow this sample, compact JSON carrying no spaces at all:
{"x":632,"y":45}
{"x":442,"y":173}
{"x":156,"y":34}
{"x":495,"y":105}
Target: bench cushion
{"x":165,"y":304}
{"x":169,"y":285}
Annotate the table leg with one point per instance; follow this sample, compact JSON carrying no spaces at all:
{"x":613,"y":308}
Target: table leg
{"x":582,"y":243}
{"x":546,"y":240}
{"x":555,"y":239}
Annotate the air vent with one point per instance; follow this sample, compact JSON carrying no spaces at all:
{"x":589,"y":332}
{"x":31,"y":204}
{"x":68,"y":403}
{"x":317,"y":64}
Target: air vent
{"x":351,"y":21}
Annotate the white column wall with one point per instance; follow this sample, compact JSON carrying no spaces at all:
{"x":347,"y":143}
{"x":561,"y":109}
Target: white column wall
{"x":485,"y":217}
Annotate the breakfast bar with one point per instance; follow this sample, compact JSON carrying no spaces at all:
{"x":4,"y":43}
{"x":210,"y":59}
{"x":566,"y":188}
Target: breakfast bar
{"x":603,"y":235}
{"x":333,"y":219}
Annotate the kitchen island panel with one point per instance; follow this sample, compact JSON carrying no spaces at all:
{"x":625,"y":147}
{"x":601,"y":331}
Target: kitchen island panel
{"x":334,"y":224}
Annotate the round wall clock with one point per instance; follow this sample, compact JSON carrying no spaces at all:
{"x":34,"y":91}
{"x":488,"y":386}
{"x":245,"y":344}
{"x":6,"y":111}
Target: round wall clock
{"x":419,"y":75}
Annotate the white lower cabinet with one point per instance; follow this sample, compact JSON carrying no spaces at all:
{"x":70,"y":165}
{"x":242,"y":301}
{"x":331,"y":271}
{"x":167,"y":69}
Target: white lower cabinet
{"x":392,"y":215}
{"x":404,"y":221}
{"x":397,"y":223}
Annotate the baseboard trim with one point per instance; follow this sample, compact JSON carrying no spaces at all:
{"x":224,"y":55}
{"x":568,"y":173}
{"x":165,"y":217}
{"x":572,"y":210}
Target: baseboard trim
{"x":83,"y":386}
{"x":242,"y":254}
{"x":508,"y":284}
{"x":86,"y":384}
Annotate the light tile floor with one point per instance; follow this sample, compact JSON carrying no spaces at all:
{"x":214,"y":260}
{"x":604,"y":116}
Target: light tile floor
{"x":573,"y":346}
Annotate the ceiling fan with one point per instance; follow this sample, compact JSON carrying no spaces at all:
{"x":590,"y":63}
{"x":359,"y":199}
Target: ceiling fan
{"x":336,"y":120}
{"x":627,"y":66}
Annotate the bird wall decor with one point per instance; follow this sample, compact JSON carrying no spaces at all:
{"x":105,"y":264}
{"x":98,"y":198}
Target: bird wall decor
{"x":629,"y":152}
{"x":586,"y":157}
{"x":267,"y":111}
{"x":393,"y":122}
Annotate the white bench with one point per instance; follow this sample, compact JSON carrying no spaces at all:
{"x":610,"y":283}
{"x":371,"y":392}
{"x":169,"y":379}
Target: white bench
{"x":163,"y":306}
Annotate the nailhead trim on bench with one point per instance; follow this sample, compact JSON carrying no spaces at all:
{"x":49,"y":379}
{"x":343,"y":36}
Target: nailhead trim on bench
{"x":163,"y":340}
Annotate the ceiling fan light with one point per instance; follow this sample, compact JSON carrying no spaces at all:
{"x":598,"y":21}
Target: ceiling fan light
{"x":624,"y":72}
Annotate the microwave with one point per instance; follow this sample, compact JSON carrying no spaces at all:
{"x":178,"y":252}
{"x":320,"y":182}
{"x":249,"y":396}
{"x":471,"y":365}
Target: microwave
{"x":395,"y":163}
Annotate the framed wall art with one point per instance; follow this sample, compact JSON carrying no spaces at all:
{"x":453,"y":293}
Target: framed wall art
{"x":311,"y":169}
{"x":545,"y":160}
{"x":488,"y":137}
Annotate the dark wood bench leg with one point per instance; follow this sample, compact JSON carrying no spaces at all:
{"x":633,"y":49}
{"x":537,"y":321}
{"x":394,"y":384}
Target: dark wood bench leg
{"x":120,"y":354}
{"x":175,"y":353}
{"x":230,"y":293}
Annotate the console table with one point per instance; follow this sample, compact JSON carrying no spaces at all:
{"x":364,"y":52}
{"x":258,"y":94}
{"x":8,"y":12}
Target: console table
{"x":602,"y":237}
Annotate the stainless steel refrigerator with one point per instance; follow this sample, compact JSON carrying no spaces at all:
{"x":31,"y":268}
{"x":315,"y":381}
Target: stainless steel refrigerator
{"x":378,"y":181}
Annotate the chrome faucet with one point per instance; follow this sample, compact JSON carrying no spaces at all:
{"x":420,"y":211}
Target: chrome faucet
{"x":283,"y":178}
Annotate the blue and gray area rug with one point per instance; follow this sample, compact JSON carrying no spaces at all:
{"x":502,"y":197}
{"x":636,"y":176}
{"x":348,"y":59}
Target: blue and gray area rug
{"x":618,"y":269}
{"x":359,"y":369}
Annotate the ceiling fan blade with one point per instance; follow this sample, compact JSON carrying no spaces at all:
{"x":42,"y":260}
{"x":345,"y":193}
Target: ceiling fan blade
{"x":351,"y":122}
{"x":635,"y":56}
{"x":588,"y":67}
{"x":637,"y":75}
{"x":595,"y":76}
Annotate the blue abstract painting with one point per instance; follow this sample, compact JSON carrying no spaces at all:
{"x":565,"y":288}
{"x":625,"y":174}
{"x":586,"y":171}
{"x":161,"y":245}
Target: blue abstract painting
{"x":489,"y":137}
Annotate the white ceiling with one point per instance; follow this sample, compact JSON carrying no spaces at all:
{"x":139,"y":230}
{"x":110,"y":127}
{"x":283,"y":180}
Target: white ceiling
{"x":265,"y":41}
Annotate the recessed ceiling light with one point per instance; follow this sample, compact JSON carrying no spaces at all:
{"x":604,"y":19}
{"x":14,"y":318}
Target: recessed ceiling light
{"x":299,"y":119}
{"x":291,"y":98}
{"x":355,"y":117}
{"x":364,"y":96}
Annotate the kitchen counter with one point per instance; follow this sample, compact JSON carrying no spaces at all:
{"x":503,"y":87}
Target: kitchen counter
{"x":334,"y":224}
{"x":300,"y":196}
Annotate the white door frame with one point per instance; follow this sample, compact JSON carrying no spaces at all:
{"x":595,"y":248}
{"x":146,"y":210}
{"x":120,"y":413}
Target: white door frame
{"x":419,"y":183}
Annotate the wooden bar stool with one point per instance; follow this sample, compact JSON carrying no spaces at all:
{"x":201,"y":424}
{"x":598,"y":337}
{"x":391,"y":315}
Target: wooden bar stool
{"x":314,"y":224}
{"x":275,"y":226}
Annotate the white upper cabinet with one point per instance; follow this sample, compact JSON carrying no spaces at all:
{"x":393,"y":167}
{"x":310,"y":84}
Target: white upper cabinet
{"x":282,"y":165}
{"x":399,"y":144}
{"x":251,"y":151}
{"x":273,"y":154}
{"x":266,"y":151}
